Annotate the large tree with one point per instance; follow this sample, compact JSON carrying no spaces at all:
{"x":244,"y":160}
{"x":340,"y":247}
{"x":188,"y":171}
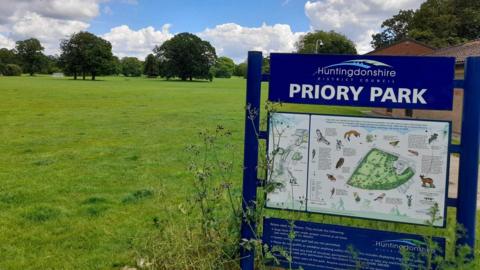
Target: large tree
{"x":325,"y":43}
{"x":438,"y":23}
{"x":151,"y":66}
{"x":8,"y":56}
{"x":131,"y":67}
{"x":224,"y":67}
{"x":85,"y":53}
{"x":30,"y":53}
{"x":186,"y":56}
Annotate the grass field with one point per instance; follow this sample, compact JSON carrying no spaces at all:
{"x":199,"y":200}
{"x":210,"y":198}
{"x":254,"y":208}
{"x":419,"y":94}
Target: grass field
{"x":86,"y":166}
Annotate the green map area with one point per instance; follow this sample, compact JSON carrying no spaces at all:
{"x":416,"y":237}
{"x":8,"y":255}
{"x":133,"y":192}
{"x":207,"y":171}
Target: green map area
{"x":379,"y":170}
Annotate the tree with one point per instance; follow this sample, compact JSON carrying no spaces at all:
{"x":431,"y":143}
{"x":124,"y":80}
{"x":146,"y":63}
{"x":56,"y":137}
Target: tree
{"x":395,"y":29}
{"x":241,"y":70}
{"x":438,"y":23}
{"x":224,"y":67}
{"x":30,"y":54}
{"x":131,"y":67}
{"x":8,"y":56}
{"x":186,"y":56}
{"x":11,"y":70}
{"x":84,"y":53}
{"x":325,"y":43}
{"x":152,"y":67}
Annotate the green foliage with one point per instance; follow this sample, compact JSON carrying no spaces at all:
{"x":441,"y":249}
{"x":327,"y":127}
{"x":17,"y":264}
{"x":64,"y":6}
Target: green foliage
{"x":11,"y":70}
{"x":326,"y":43}
{"x":85,"y":53}
{"x":240,"y":70}
{"x":224,"y":67}
{"x":8,"y":56}
{"x":29,"y":52}
{"x":186,"y":56}
{"x":438,"y":23}
{"x":138,"y":195}
{"x":131,"y":67}
{"x":41,"y":214}
{"x":151,"y":67}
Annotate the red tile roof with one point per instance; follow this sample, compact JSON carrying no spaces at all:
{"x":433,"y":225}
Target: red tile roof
{"x":460,"y":52}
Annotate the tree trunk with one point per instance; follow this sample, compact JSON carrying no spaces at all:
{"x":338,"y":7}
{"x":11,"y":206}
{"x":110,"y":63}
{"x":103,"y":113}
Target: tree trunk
{"x":93,"y":76}
{"x":83,"y":75}
{"x":190,"y":78}
{"x":75,"y":75}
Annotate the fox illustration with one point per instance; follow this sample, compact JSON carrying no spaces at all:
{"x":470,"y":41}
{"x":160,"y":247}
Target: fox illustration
{"x":427,"y":181}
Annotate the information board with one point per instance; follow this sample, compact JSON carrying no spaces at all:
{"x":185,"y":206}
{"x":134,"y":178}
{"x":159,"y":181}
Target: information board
{"x":321,"y":246}
{"x":375,"y":168}
{"x":359,"y":80}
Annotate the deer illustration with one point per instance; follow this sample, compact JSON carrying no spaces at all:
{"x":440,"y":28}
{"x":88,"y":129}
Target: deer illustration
{"x":427,"y":181}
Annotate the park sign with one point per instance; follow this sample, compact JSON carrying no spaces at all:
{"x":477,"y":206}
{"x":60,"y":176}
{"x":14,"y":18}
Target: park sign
{"x":365,"y":81}
{"x":385,"y":169}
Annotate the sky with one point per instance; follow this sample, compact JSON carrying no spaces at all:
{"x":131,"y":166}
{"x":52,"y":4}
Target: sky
{"x":134,"y":27}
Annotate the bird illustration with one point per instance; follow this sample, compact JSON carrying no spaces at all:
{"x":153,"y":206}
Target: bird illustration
{"x":331,"y":177}
{"x":332,"y":192}
{"x":380,"y":197}
{"x":321,"y":138}
{"x":340,"y":163}
{"x":394,"y":143}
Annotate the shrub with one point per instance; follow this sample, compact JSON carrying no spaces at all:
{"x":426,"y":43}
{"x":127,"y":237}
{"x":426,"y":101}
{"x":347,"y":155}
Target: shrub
{"x":12,"y":70}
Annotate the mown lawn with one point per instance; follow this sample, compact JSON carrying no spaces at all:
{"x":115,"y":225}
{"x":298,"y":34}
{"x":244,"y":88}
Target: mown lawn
{"x":86,"y":166}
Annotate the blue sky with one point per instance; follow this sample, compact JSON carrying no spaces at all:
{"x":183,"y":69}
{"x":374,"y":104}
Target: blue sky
{"x":135,"y":27}
{"x":195,"y":16}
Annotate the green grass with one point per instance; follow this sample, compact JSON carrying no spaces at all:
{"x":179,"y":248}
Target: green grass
{"x":88,"y":168}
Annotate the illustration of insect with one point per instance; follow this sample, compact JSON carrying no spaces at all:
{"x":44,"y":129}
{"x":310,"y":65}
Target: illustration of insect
{"x":433,"y":138}
{"x":321,"y":138}
{"x":427,"y":181}
{"x":409,"y":200}
{"x":413,"y":152}
{"x":339,"y":145}
{"x":351,"y":133}
{"x":331,"y":177}
{"x":380,"y":197}
{"x":394,"y":143}
{"x":357,"y":197}
{"x":340,"y":163}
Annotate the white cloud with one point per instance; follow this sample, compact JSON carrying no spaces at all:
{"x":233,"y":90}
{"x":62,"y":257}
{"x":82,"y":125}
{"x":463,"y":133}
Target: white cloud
{"x":47,"y":20}
{"x":358,"y":19}
{"x":235,"y":41}
{"x":5,"y":42}
{"x":139,"y":43}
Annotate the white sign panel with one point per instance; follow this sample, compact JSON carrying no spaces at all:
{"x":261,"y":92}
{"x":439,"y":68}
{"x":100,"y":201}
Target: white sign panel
{"x":376,"y":168}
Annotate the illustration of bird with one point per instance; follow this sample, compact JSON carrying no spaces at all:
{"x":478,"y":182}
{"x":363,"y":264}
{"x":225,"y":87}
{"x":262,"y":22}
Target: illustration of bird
{"x":433,"y":138}
{"x":351,"y":133}
{"x":356,"y":196}
{"x":331,"y":177}
{"x":413,"y":152}
{"x":394,"y":143}
{"x":313,"y":153}
{"x":332,"y":192}
{"x":340,"y":163}
{"x":380,"y":197}
{"x":321,"y":138}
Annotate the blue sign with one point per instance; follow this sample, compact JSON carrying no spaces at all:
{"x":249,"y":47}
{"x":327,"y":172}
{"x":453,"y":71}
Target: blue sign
{"x":366,"y":81}
{"x":320,"y":246}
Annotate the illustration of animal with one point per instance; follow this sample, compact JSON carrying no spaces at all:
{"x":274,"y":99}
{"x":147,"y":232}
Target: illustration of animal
{"x":332,"y":192}
{"x":339,"y":145}
{"x":313,"y":153}
{"x":351,"y":133}
{"x":357,"y":197}
{"x":340,"y":163}
{"x":409,"y":200}
{"x":321,"y":138}
{"x":331,"y":177}
{"x":413,"y":152}
{"x":380,"y":197}
{"x":394,"y":143}
{"x":433,"y":138}
{"x":427,"y":182}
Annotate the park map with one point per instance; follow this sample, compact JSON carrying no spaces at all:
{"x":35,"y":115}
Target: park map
{"x":384,"y":169}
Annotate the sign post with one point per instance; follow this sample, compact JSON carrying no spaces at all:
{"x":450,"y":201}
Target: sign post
{"x":406,"y":150}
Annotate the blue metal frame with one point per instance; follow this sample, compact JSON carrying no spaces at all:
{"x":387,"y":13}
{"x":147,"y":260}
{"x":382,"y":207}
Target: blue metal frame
{"x":469,"y":158}
{"x":250,"y":162}
{"x":469,"y":150}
